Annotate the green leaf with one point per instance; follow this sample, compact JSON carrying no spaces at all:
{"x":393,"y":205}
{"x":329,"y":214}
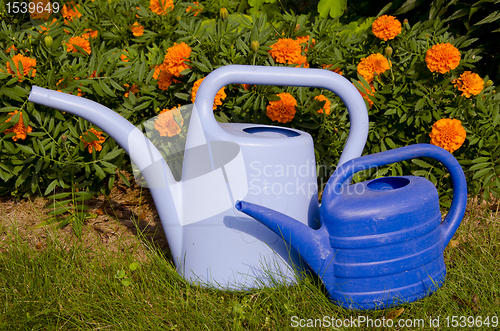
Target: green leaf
{"x":111,"y":155}
{"x":334,"y":8}
{"x":106,"y":89}
{"x":23,"y":177}
{"x":26,"y":149}
{"x":420,"y":104}
{"x":120,"y":274}
{"x":421,"y":163}
{"x":182,"y":96}
{"x":481,"y":159}
{"x":390,"y":143}
{"x":11,"y":93}
{"x":111,"y":182}
{"x":480,"y":166}
{"x":116,"y":85}
{"x":143,"y":105}
{"x":142,"y":71}
{"x":97,"y":88}
{"x":407,"y":6}
{"x":126,"y":281}
{"x":51,"y":187}
{"x":481,"y":172}
{"x":59,"y":196}
{"x":490,"y":18}
{"x":99,"y":171}
{"x":133,"y":266}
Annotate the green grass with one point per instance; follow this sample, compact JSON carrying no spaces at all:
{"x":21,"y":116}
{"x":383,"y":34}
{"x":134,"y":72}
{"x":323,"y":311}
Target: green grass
{"x":75,"y":288}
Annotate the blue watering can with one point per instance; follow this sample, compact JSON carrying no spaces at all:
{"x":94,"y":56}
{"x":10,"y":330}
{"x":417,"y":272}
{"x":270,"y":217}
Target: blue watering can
{"x":212,"y":243}
{"x":381,"y":241}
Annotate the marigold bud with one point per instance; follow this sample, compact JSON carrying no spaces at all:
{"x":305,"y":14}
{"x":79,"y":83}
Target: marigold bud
{"x":224,"y":14}
{"x":255,"y":46}
{"x":63,"y":137}
{"x":48,"y":41}
{"x":388,"y":52}
{"x":297,"y":28}
{"x":489,"y":83}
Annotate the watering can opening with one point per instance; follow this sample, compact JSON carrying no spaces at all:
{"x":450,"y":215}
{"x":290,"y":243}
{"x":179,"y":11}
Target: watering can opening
{"x":271,"y":132}
{"x":388,"y":183}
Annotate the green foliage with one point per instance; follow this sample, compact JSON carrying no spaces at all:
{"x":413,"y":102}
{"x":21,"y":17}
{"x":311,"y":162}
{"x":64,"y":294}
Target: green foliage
{"x":408,"y":98}
{"x":332,"y":8}
{"x":69,"y":211}
{"x":472,"y":19}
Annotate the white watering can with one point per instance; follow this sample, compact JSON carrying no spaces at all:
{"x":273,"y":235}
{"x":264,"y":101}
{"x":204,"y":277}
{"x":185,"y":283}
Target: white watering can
{"x":212,"y":243}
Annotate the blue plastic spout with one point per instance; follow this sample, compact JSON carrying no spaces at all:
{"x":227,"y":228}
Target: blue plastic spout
{"x":312,"y":245}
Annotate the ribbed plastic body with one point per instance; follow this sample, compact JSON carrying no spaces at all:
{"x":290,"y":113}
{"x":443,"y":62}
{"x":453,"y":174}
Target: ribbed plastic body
{"x":387,"y":242}
{"x":380,"y":242}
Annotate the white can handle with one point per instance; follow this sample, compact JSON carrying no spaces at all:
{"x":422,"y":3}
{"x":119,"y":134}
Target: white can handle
{"x":285,"y":76}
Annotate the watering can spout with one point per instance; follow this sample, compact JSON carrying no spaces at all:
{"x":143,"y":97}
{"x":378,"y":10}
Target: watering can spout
{"x":312,"y":245}
{"x":133,"y":141}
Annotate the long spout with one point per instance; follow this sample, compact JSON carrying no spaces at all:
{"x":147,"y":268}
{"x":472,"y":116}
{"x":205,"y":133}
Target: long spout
{"x":142,"y":151}
{"x":312,"y":245}
{"x":130,"y":138}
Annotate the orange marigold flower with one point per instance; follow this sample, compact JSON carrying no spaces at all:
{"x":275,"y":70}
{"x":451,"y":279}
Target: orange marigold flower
{"x":177,"y":114}
{"x":221,"y":95}
{"x":374,"y":63}
{"x":442,"y":58}
{"x":47,"y":26}
{"x":161,"y":7}
{"x":366,"y":93}
{"x":282,"y":110}
{"x":12,"y":47}
{"x":336,"y":69}
{"x":137,"y":29}
{"x":305,"y":40}
{"x":43,"y":14}
{"x":133,"y":89}
{"x":96,"y":143}
{"x":70,"y":12}
{"x":176,"y":58}
{"x":28,"y":66}
{"x":124,"y":57}
{"x":78,"y":41}
{"x":89,"y":33}
{"x":448,"y":133}
{"x":287,"y":50}
{"x":166,"y":124}
{"x":163,"y":76}
{"x":386,"y":27}
{"x":138,"y":8}
{"x":19,"y":129}
{"x":196,"y":10}
{"x":326,"y":107}
{"x":469,"y":83}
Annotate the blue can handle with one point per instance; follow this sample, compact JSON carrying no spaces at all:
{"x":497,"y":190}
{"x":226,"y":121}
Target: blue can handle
{"x":286,"y":76}
{"x":459,"y":202}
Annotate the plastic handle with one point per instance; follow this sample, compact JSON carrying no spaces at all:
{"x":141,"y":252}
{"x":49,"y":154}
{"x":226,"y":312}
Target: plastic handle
{"x":459,"y":202}
{"x":285,"y":76}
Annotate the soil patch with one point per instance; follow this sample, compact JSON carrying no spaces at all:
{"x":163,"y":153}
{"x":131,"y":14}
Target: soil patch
{"x":123,"y":221}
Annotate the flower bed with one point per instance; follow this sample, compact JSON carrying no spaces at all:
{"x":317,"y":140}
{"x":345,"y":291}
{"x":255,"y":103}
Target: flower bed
{"x":141,"y":57}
